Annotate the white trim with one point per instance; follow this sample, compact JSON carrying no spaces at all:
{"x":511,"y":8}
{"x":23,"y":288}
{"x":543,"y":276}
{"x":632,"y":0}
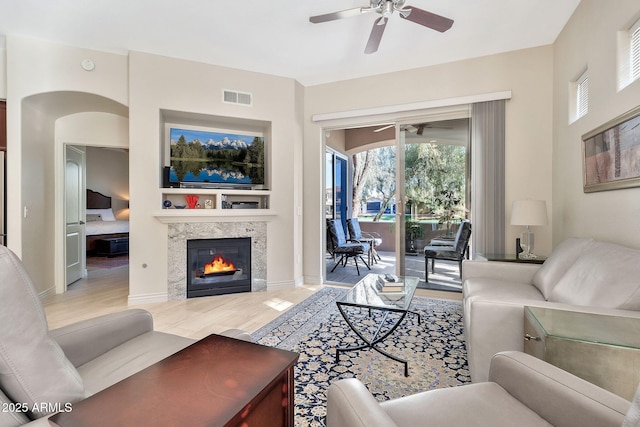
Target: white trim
{"x":314,"y":280}
{"x":173,"y":216}
{"x":403,"y":108}
{"x":285,"y":284}
{"x":47,"y":293}
{"x":147,"y":298}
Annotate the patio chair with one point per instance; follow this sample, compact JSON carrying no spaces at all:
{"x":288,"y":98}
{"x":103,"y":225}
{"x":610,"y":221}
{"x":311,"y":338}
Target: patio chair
{"x":346,"y":249}
{"x":455,"y":250}
{"x":372,"y":238}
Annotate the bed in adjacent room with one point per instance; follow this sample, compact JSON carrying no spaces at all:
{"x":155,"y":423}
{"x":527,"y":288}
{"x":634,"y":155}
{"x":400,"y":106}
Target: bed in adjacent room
{"x":101,"y":222}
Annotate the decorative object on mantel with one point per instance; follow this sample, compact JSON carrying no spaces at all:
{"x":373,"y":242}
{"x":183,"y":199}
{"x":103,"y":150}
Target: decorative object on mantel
{"x":611,"y":154}
{"x":527,"y":213}
{"x":179,"y":206}
{"x":208,"y":204}
{"x":166,"y":204}
{"x":191,"y":200}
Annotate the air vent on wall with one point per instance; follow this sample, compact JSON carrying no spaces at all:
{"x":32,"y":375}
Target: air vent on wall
{"x":235,"y":97}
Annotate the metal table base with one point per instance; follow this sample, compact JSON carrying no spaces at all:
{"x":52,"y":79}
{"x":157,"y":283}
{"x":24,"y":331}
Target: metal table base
{"x":376,"y":337}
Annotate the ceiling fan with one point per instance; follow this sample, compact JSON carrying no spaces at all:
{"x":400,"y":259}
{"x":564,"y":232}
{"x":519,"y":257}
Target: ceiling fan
{"x":385,"y":8}
{"x":419,"y":128}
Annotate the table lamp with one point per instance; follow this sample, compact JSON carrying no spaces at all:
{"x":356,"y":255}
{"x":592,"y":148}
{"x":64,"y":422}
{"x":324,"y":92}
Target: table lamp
{"x":528,"y":213}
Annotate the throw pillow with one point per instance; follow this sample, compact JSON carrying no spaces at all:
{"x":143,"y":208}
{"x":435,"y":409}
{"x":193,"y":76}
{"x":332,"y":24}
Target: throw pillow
{"x":556,"y":265}
{"x":632,"y":419}
{"x":604,"y":275}
{"x":33,"y":367}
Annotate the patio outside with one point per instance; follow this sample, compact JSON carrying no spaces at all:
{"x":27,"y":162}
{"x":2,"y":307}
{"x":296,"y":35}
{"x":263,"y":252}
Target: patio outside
{"x":445,"y":278}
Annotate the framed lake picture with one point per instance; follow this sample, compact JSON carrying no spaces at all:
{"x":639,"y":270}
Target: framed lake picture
{"x":611,"y":154}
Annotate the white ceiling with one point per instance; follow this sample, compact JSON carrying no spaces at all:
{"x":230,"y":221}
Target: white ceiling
{"x":276,"y":37}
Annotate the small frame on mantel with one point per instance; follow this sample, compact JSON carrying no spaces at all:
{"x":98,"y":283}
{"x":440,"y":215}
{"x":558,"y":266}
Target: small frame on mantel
{"x":611,"y":154}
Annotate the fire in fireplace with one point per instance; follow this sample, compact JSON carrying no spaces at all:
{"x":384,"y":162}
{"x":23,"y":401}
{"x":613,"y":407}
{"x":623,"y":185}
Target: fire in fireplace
{"x":218,"y":266}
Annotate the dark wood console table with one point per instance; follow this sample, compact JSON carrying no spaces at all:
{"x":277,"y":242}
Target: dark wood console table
{"x":217,"y":381}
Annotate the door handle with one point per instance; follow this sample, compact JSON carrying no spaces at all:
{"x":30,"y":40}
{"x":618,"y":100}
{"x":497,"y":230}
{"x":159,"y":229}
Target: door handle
{"x":81,"y":222}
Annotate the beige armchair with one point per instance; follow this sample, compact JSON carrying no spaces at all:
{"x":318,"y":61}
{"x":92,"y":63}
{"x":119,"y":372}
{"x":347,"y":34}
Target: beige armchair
{"x":522,"y":391}
{"x":44,"y":371}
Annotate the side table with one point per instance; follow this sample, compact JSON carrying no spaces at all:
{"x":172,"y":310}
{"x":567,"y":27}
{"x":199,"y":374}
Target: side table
{"x":217,"y":381}
{"x":510,"y":258}
{"x":602,"y":349}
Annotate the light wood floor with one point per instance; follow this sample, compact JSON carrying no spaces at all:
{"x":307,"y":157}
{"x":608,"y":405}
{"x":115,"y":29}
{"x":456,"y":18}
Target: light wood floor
{"x":106,"y":291}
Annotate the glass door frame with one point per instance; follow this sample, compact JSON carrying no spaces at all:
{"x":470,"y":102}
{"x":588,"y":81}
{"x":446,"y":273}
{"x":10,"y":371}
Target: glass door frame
{"x":401,"y":204}
{"x":401,"y":251}
{"x":340,"y":165}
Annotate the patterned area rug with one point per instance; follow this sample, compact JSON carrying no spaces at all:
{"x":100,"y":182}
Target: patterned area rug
{"x":314,"y":328}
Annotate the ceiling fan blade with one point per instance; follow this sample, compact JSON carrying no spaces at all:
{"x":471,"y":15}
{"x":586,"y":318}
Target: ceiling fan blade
{"x":383,"y":128}
{"x":336,"y":15}
{"x":376,"y":35}
{"x":428,"y":19}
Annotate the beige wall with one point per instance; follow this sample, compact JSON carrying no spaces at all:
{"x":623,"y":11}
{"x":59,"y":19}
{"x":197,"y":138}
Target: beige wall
{"x":543,"y":149}
{"x":164,"y":83}
{"x":527,"y":73}
{"x":36,"y":97}
{"x":589,"y":39}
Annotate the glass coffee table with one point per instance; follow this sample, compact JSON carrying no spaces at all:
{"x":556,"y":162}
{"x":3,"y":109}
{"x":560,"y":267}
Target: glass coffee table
{"x":365,"y":294}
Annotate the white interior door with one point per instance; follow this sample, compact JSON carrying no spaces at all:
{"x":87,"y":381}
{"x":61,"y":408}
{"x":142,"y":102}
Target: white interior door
{"x":75,"y":241}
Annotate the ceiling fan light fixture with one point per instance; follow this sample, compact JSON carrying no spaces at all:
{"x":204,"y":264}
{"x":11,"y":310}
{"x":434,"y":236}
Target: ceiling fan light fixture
{"x":385,"y":8}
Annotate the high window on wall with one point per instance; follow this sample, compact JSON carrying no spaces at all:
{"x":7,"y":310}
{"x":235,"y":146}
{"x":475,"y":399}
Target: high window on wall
{"x":634,"y":50}
{"x":629,"y":55}
{"x":579,"y":100}
{"x":583,"y":95}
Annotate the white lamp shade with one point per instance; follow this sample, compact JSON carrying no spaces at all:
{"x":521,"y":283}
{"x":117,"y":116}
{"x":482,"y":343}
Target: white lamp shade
{"x":529,"y":212}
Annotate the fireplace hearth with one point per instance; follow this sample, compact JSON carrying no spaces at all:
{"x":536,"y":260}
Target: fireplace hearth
{"x":218,"y":266}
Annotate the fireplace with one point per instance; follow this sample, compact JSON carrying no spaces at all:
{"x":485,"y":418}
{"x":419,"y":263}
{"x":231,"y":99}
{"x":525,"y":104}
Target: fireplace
{"x":218,"y":266}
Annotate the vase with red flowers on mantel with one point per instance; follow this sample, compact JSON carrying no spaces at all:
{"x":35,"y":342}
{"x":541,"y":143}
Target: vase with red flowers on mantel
{"x":192,"y":201}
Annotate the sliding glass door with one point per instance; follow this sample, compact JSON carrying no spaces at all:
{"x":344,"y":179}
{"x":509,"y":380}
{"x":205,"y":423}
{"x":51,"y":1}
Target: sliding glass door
{"x":432,"y":188}
{"x":405,"y":188}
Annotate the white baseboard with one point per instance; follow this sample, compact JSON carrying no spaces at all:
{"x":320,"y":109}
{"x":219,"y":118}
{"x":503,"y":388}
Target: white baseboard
{"x":287,"y":284}
{"x":147,"y":298}
{"x":313,"y":280}
{"x":45,"y":294}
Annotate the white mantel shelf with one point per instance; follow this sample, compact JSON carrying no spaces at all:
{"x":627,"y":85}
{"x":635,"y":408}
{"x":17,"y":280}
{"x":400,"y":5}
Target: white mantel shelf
{"x":175,"y":216}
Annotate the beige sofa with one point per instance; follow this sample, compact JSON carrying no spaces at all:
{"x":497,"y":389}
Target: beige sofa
{"x":522,"y":391}
{"x":44,"y":371}
{"x":580,"y":275}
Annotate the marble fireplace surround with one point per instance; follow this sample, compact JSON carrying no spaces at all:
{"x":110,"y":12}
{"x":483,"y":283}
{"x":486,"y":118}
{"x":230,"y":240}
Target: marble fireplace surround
{"x":179,"y":233}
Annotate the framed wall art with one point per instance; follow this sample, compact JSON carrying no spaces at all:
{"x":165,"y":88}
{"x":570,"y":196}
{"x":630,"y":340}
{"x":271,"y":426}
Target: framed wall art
{"x":611,"y":154}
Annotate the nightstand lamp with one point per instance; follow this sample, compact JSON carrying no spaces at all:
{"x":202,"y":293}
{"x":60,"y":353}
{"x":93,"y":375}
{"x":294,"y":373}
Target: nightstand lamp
{"x":528,"y":213}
